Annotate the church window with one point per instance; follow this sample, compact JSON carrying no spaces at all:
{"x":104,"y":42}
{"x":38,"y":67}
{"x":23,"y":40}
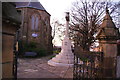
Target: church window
{"x":35,"y":20}
{"x":36,"y":23}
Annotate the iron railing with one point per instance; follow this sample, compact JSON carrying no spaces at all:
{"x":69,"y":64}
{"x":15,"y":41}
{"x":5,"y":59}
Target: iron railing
{"x":87,"y":65}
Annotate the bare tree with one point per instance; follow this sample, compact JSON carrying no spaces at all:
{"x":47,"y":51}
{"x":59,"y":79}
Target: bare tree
{"x":57,"y":29}
{"x":86,"y":19}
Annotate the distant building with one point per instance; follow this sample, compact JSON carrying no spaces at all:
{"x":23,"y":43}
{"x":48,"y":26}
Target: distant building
{"x":35,"y":24}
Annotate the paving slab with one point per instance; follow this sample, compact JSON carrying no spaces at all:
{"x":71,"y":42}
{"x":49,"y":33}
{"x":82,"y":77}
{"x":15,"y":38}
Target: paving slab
{"x":38,"y":68}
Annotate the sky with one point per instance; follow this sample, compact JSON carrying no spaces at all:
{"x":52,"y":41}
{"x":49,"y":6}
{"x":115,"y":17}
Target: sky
{"x":57,"y":9}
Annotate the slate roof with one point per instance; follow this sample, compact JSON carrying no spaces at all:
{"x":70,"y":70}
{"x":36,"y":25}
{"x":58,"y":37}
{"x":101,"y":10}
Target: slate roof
{"x":36,"y":5}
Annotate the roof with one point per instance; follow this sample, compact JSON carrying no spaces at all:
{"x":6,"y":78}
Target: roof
{"x":9,"y":12}
{"x":107,"y":21}
{"x":106,"y":26}
{"x":36,"y":5}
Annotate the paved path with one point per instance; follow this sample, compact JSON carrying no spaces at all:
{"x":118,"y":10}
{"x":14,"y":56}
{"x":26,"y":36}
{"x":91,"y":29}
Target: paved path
{"x":38,"y":68}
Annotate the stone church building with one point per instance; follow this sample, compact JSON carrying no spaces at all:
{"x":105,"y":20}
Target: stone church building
{"x":35,"y":25}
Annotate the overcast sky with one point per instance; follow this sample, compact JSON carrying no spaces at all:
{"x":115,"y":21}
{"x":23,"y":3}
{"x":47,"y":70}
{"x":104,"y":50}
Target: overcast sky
{"x":57,"y":8}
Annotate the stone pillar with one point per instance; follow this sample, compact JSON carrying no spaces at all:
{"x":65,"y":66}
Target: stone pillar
{"x":8,"y":38}
{"x":118,"y":67}
{"x":118,"y":59}
{"x":109,"y":58}
{"x":10,"y":25}
{"x":65,"y":57}
{"x":107,"y":36}
{"x":67,"y":24}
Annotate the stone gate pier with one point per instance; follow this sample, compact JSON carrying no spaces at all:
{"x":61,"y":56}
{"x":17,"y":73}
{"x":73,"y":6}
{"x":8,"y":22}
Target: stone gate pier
{"x":108,"y":36}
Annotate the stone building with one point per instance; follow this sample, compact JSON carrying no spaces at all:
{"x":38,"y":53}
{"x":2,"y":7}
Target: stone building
{"x":35,"y":25}
{"x":10,"y":24}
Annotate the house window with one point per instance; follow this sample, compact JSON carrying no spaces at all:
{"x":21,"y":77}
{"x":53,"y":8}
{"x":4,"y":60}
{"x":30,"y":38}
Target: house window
{"x":34,"y":21}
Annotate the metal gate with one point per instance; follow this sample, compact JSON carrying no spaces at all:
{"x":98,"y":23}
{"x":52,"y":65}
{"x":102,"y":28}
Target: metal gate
{"x":87,"y":65}
{"x":15,"y":55}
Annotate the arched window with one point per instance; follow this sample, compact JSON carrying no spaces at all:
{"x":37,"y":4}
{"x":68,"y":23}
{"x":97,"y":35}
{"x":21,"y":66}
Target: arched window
{"x":34,"y":21}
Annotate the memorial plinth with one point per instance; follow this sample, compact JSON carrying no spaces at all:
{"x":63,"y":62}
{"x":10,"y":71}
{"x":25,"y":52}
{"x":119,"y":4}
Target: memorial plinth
{"x":65,"y":57}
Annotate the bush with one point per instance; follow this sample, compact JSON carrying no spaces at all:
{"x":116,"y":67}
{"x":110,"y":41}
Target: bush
{"x":41,"y":52}
{"x":56,"y":51}
{"x":84,"y":59}
{"x":52,"y":56}
{"x":32,"y":47}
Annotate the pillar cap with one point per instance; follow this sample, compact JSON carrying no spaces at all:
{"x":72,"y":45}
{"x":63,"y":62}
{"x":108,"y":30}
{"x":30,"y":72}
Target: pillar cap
{"x":107,"y":29}
{"x":67,"y":16}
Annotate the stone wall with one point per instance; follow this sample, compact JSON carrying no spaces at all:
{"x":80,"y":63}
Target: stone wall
{"x":7,"y":49}
{"x":10,"y":24}
{"x":44,"y":38}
